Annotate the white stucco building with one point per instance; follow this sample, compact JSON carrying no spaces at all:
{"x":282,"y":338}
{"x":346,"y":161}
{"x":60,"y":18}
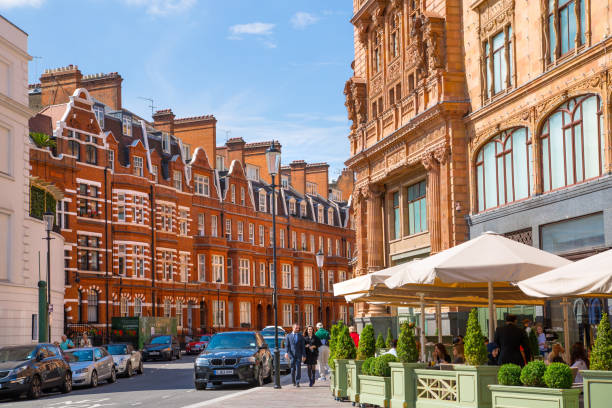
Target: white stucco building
{"x":23,"y":251}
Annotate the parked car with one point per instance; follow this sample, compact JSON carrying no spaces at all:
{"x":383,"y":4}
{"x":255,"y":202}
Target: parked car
{"x":127,"y":360}
{"x":32,"y":369}
{"x":284,"y":365}
{"x":234,"y":357}
{"x":162,"y":347}
{"x":198,"y":344}
{"x":90,"y":365}
{"x":269,"y":331}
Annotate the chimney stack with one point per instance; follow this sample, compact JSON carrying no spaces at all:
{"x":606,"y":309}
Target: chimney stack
{"x":298,"y":175}
{"x":235,"y":150}
{"x":164,"y":120}
{"x":58,"y":84}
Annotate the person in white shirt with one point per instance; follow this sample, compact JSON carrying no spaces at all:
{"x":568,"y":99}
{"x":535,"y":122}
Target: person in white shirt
{"x":392,"y":350}
{"x":579,"y":360}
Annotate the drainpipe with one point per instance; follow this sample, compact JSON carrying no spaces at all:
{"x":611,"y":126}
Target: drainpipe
{"x":153,"y":294}
{"x":106,"y":252}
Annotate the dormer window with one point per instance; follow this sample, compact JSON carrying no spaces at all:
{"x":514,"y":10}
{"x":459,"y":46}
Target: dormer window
{"x":233,"y":193}
{"x":285,"y":181}
{"x":262,"y":200}
{"x":252,"y":172}
{"x":330,"y":216}
{"x":166,"y":142}
{"x":292,"y":206}
{"x":303,"y":209}
{"x":99,"y":112}
{"x":178,"y":180}
{"x":186,"y":150}
{"x":311,"y":188}
{"x":127,"y":125}
{"x":320,"y":215}
{"x":138,"y":166}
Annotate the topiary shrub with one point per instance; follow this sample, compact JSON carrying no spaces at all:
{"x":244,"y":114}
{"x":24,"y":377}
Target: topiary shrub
{"x":534,"y":347}
{"x":389,"y":340}
{"x":345,"y":347}
{"x":601,"y":356}
{"x":366,"y":343}
{"x":407,"y":351}
{"x":532,"y":374}
{"x":380,"y":342}
{"x":380,"y":366}
{"x":558,"y":375}
{"x":475,"y":350}
{"x":509,"y":374}
{"x":366,"y":367}
{"x":335,"y":329}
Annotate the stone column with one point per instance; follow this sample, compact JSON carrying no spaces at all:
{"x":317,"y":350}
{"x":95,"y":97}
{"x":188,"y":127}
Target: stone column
{"x":374,"y":229}
{"x":432,"y":166}
{"x":361,"y":246}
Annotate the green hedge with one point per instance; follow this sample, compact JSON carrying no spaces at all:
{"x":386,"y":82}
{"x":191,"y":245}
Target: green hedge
{"x":380,"y":365}
{"x":601,"y":357}
{"x":533,"y":373}
{"x":558,"y":375}
{"x":366,"y":343}
{"x":407,"y":351}
{"x":509,"y":374}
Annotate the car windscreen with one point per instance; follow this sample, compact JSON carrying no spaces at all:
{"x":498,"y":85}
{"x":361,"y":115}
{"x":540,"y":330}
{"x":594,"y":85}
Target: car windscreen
{"x":205,"y":338}
{"x":78,"y":355}
{"x":161,"y":340}
{"x":117,"y":349}
{"x":17,"y":353}
{"x":270,"y":341}
{"x":231,"y":341}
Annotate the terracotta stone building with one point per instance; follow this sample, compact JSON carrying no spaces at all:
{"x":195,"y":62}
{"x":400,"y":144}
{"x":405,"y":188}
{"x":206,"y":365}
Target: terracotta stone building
{"x":155,"y":227}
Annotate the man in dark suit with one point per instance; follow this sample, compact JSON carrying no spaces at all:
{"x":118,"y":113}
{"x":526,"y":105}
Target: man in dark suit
{"x":295,"y":351}
{"x":510,"y":338}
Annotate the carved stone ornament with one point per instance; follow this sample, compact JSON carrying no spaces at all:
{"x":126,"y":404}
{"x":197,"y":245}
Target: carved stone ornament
{"x":426,"y":50}
{"x":416,"y":50}
{"x":593,"y":83}
{"x":442,"y":153}
{"x":397,"y":4}
{"x":378,"y":13}
{"x":434,"y":39}
{"x":356,"y":106}
{"x":350,"y":104}
{"x":495,"y":14}
{"x":429,"y":161}
{"x":362,"y":31}
{"x":394,"y":70}
{"x":376,"y":85}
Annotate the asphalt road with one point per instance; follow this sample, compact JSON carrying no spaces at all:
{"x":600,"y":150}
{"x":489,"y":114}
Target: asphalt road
{"x":163,"y":384}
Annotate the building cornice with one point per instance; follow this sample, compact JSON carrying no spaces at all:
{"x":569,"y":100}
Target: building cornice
{"x":15,"y":106}
{"x":15,"y":49}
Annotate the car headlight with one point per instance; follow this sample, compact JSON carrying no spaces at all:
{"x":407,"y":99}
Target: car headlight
{"x":202,"y":361}
{"x":167,"y":349}
{"x":18,"y":370}
{"x":248,"y":359}
{"x":81,"y":371}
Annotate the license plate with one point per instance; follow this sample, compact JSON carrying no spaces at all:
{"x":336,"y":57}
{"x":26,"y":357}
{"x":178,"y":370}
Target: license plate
{"x":224,"y":372}
{"x":154,"y":353}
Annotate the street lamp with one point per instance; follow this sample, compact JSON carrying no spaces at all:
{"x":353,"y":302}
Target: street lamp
{"x":320,"y":259}
{"x":218,"y":304}
{"x":49,"y":218}
{"x":273,"y":157}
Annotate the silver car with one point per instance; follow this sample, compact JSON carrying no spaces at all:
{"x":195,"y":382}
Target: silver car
{"x":90,"y":365}
{"x":127,"y":360}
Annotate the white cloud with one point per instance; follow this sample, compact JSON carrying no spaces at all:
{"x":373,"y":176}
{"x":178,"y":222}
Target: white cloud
{"x":301,"y":20}
{"x":251,"y":29}
{"x":6,"y":4}
{"x":162,"y":7}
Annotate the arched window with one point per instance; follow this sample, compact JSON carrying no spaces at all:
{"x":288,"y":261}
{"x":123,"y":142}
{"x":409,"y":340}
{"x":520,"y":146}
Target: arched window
{"x":92,"y":306}
{"x":123,"y":306}
{"x":572,"y":143}
{"x":179,"y":312}
{"x":167,"y":309}
{"x":137,"y":307}
{"x":503,"y":169}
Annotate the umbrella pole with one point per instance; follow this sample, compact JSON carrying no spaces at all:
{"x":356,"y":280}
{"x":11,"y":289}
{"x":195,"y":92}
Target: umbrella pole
{"x":439,"y":321}
{"x":566,"y":336}
{"x":492,"y":318}
{"x":422,"y":328}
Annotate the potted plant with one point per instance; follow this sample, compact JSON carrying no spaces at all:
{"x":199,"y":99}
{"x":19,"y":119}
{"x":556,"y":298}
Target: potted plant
{"x":464,"y":385}
{"x":380,"y":343}
{"x":544,"y":387}
{"x":389,"y":340}
{"x":364,"y":351}
{"x":598,"y":379}
{"x":403,"y":381}
{"x":375,"y":384}
{"x":344,"y":350}
{"x":332,"y":348}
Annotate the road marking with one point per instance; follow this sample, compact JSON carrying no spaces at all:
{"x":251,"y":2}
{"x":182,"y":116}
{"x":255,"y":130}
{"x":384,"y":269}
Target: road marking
{"x":219,"y":399}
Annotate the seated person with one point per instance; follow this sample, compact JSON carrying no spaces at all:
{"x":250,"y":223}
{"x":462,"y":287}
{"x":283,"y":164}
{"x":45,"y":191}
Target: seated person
{"x":579,"y":360}
{"x":493,"y":354}
{"x":458,"y":356}
{"x":556,"y":355}
{"x":440,"y":356}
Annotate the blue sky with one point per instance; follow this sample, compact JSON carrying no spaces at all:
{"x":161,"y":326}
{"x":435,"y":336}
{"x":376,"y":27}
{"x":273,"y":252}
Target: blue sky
{"x":267,"y":69}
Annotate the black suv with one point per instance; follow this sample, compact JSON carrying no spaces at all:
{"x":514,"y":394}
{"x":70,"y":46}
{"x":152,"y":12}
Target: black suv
{"x":162,"y":347}
{"x":33,"y":369}
{"x":234,"y":357}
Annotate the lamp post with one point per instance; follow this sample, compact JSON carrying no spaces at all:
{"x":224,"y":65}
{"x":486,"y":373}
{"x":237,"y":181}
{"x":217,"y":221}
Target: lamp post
{"x":320,"y":259}
{"x":49,"y":218}
{"x":218,"y":304}
{"x":273,"y":157}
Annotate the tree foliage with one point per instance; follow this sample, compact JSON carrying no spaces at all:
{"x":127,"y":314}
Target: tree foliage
{"x":474,"y":347}
{"x":335,"y":330}
{"x":389,"y":340}
{"x":601,"y":356}
{"x":366,"y":343}
{"x":42,"y":140}
{"x":532,"y":374}
{"x":380,"y":366}
{"x":407,"y":351}
{"x":345,"y":347}
{"x":509,"y":374}
{"x":380,"y":342}
{"x":558,"y":375}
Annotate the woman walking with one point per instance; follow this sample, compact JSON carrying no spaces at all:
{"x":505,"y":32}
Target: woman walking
{"x":312,"y":344}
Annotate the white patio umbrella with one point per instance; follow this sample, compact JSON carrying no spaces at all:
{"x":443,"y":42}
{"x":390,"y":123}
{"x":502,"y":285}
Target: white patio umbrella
{"x":364,"y":283}
{"x":478,"y":263}
{"x":591,"y":276}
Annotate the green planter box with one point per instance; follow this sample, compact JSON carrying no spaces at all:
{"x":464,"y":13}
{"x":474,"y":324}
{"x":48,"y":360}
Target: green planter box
{"x":332,"y":378}
{"x":354,"y":369}
{"x":597,"y":388}
{"x":374,"y":390}
{"x":403,"y":384}
{"x":505,"y":396}
{"x":340,"y":379}
{"x":459,"y":386}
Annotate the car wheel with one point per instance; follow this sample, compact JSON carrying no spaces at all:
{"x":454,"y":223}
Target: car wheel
{"x":140,"y":368}
{"x":178,"y":356}
{"x":35,"y":388}
{"x":128,"y":370}
{"x":94,"y":380}
{"x":113,"y":376}
{"x":170,"y":356}
{"x":200,"y":386}
{"x":67,"y":385}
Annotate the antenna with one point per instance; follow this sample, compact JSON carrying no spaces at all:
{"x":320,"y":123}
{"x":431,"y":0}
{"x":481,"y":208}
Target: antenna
{"x":228,"y":133}
{"x":151,"y":105}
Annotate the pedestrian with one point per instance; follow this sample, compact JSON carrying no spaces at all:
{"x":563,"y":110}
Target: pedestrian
{"x":393,"y":349}
{"x":541,"y":340}
{"x":493,"y":354}
{"x":510,"y":339}
{"x":312,"y":344}
{"x":85,"y":341}
{"x":66,"y":343}
{"x":458,"y":356}
{"x":579,"y":360}
{"x":354,"y":335}
{"x":323,"y":358}
{"x":556,"y":354}
{"x":440,"y":356}
{"x":294,"y":352}
{"x":527,"y":325}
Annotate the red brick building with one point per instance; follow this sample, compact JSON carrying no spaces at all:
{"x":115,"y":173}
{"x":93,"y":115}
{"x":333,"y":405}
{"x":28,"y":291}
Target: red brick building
{"x":158,"y":227}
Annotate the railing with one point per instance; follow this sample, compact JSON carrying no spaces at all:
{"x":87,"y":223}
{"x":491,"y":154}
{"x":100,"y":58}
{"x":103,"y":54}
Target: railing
{"x":438,"y":387}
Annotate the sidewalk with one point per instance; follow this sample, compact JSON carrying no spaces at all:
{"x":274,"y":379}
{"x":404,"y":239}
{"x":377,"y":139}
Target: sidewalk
{"x":319,"y":396}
